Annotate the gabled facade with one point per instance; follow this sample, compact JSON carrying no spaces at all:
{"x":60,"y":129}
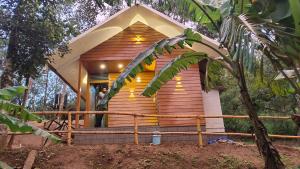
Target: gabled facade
{"x":99,"y":55}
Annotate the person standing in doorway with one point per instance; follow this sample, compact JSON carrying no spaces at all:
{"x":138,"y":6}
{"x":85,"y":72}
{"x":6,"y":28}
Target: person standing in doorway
{"x":99,"y":117}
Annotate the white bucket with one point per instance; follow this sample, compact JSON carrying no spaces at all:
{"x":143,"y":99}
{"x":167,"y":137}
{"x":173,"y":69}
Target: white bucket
{"x":156,"y":137}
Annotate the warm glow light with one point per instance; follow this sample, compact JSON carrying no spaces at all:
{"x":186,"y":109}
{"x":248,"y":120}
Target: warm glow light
{"x":138,"y":39}
{"x":102,"y":66}
{"x":120,"y":66}
{"x":178,"y":86}
{"x":131,"y":91}
{"x":138,"y":79}
{"x":178,"y":78}
{"x":84,"y":79}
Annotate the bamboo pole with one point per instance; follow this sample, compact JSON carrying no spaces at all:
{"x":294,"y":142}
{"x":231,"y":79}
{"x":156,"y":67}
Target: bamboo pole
{"x":136,"y":136}
{"x":102,"y":132}
{"x":161,"y":116}
{"x":200,"y":140}
{"x":251,"y":135}
{"x":69,"y":138}
{"x":26,"y":133}
{"x":170,"y":133}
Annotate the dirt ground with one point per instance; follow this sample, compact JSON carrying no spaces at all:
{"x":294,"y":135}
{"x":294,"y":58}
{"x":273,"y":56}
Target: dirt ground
{"x":165,"y":156}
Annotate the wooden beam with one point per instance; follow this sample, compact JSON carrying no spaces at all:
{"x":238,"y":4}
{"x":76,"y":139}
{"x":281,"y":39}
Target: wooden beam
{"x":78,"y":100}
{"x":87,"y":104}
{"x":99,"y":81}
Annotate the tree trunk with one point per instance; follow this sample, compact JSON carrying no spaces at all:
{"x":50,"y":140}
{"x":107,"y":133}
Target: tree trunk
{"x":270,"y":154}
{"x":46,"y":89}
{"x":62,"y":97}
{"x":8,"y":74}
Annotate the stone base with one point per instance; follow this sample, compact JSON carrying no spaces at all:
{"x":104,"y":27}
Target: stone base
{"x":129,"y":138}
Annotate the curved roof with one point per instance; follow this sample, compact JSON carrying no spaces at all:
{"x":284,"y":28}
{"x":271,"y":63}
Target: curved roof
{"x":67,"y":66}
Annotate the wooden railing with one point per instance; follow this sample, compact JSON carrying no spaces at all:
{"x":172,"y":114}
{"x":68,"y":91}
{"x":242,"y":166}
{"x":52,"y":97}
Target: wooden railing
{"x":136,"y":133}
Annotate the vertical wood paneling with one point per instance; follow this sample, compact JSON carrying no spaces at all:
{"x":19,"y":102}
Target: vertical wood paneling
{"x":129,"y":100}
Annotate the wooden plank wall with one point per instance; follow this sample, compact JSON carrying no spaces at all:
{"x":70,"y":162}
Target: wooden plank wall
{"x":123,"y":45}
{"x":130,"y":100}
{"x":182,"y":95}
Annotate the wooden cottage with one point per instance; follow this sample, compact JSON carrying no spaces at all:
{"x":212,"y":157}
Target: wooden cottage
{"x":98,"y":56}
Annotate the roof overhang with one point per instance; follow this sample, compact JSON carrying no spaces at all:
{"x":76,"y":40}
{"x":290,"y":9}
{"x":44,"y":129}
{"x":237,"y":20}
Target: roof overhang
{"x":67,"y":66}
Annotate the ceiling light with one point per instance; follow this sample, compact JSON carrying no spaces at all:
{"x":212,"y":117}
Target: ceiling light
{"x":138,"y":79}
{"x":120,"y":66}
{"x":102,"y":66}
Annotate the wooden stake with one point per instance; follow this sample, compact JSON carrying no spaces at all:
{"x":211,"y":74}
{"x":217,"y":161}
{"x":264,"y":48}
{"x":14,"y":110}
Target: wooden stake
{"x":200,"y":141}
{"x":136,"y":136}
{"x":30,"y":159}
{"x":69,"y":139}
{"x":78,"y":99}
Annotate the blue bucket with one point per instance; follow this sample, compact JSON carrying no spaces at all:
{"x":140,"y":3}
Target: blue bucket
{"x":156,"y":137}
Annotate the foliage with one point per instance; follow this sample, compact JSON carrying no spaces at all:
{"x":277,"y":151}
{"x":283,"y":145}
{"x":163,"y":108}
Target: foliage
{"x":269,"y":97}
{"x":170,"y":70}
{"x":15,"y":116}
{"x":33,"y":29}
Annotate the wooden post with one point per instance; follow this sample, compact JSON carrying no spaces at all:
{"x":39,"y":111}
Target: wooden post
{"x":200,"y":141}
{"x":78,"y":100}
{"x":136,"y":136}
{"x":69,"y":139}
{"x":87,"y":104}
{"x":30,"y":159}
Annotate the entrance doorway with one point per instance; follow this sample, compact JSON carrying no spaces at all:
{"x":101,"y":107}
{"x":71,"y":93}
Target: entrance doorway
{"x":98,"y":90}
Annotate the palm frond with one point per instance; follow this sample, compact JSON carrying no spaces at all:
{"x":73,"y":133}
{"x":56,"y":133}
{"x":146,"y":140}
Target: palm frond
{"x":171,"y":69}
{"x":146,"y":58}
{"x":250,"y":39}
{"x":205,"y":12}
{"x":18,"y":111}
{"x":295,"y":6}
{"x":247,"y":37}
{"x":4,"y":165}
{"x":43,"y":133}
{"x":15,"y":125}
{"x":11,"y":92}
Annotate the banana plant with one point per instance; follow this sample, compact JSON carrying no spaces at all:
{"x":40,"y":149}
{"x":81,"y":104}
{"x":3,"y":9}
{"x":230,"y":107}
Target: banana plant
{"x":15,"y":116}
{"x":251,"y":32}
{"x":4,"y":165}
